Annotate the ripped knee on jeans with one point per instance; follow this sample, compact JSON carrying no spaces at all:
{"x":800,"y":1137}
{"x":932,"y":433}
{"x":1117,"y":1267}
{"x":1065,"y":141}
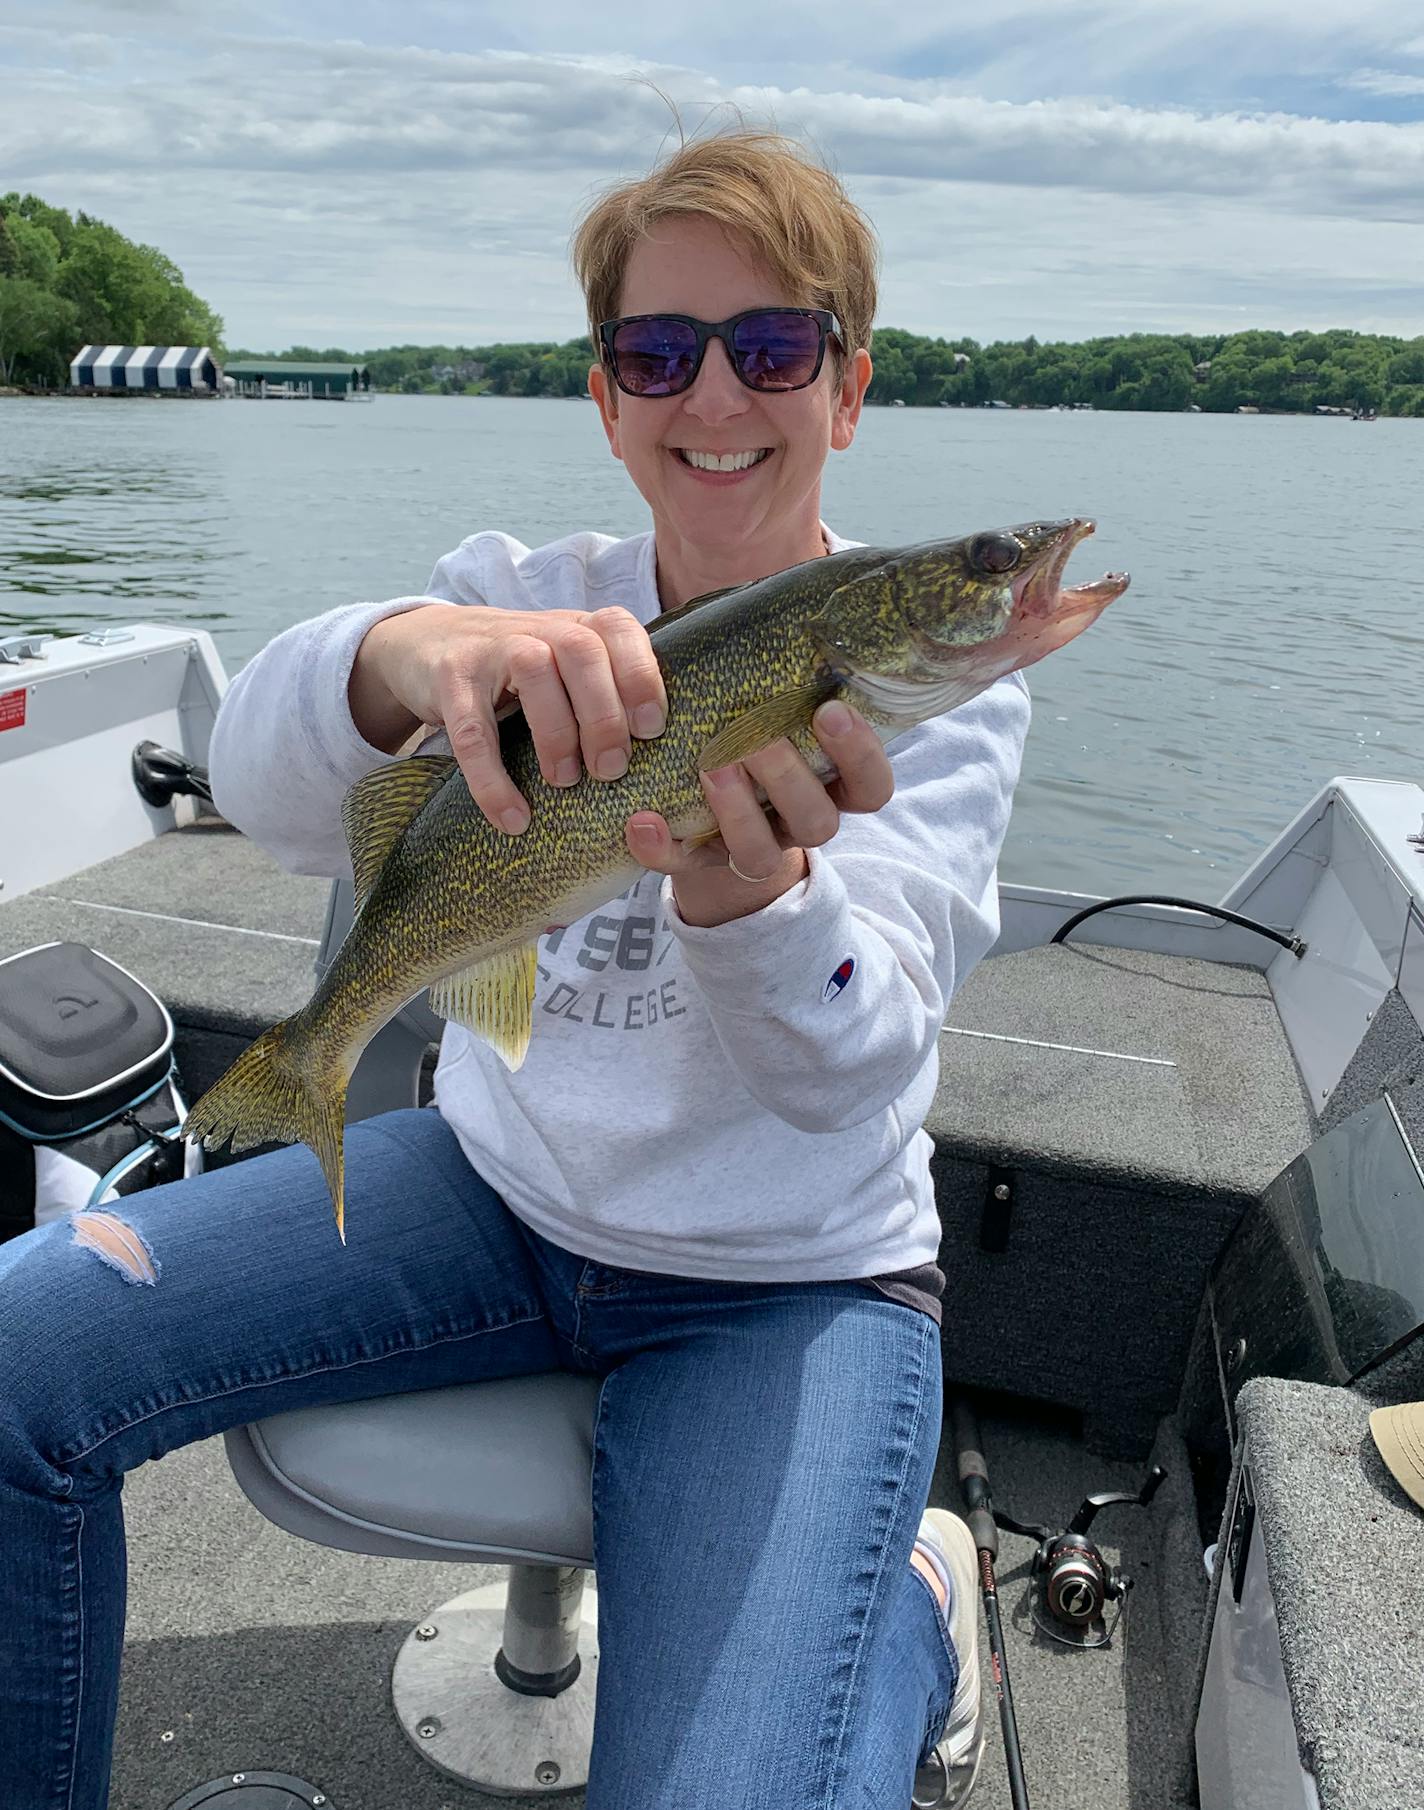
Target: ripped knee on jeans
{"x":115,"y":1243}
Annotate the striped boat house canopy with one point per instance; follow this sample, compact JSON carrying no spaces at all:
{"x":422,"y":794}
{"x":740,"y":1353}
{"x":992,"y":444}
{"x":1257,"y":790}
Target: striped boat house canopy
{"x":190,"y":368}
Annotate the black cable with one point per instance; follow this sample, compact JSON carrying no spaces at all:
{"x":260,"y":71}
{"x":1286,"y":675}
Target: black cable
{"x":1295,"y":944}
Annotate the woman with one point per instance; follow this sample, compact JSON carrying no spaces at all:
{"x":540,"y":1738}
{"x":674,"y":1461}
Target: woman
{"x":707,"y":1184}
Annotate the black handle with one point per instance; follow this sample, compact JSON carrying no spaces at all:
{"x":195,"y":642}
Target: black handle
{"x":160,"y":775}
{"x":974,"y":1480}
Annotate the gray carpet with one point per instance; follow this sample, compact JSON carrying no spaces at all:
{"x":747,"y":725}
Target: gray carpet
{"x":255,"y":1651}
{"x":180,"y":912}
{"x":1343,"y":1550}
{"x":1110,"y":1729}
{"x":1198,"y":1095}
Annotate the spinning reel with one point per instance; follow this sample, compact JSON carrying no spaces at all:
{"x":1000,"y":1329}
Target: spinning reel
{"x":1073,"y":1582}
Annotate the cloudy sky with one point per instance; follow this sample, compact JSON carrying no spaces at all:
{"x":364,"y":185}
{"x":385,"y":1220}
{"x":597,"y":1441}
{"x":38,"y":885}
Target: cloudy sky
{"x":337,"y":172}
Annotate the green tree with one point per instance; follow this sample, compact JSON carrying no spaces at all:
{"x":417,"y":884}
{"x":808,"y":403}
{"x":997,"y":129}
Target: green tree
{"x":1270,"y":383}
{"x":1406,"y":367}
{"x":894,"y":379}
{"x":54,"y":219}
{"x":28,"y":250}
{"x":1127,"y":371}
{"x":35,"y":328}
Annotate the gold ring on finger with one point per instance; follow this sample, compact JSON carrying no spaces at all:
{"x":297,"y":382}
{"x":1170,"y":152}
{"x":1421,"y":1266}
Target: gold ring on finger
{"x":751,"y":879}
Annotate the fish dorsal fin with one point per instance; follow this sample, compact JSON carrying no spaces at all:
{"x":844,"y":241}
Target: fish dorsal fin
{"x":494,"y":999}
{"x":708,"y":596}
{"x":783,"y":714}
{"x":693,"y":603}
{"x":378,"y":808}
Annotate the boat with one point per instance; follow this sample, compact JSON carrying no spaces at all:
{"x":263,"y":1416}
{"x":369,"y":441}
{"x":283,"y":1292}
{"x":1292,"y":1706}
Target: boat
{"x":1177,"y":1160}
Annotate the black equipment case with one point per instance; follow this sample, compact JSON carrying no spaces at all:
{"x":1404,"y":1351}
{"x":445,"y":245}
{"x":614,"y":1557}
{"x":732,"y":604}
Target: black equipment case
{"x":87,"y":1069}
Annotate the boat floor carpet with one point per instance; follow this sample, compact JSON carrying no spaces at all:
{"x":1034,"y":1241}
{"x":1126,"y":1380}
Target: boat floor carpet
{"x":249,"y":1650}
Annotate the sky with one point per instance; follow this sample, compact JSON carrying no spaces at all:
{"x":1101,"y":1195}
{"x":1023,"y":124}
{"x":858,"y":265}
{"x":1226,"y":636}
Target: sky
{"x":337,"y":172}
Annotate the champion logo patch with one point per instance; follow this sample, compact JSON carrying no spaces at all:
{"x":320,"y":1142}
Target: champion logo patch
{"x":840,"y":979}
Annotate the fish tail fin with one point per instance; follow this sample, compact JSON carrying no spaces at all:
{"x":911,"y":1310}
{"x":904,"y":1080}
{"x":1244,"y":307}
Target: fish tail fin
{"x":284,"y":1088}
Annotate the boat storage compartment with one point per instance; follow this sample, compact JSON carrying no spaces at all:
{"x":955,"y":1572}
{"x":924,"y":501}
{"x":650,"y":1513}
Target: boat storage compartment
{"x":1104,"y":1117}
{"x":1246,"y":1742}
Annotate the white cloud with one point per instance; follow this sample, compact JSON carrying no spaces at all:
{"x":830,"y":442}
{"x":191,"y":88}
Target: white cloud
{"x":1384,"y":81}
{"x":307,"y":109}
{"x":348,"y":191}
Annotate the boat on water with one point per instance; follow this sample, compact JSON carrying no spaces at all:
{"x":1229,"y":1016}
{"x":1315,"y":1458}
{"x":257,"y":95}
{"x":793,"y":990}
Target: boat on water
{"x":1177,"y":1160}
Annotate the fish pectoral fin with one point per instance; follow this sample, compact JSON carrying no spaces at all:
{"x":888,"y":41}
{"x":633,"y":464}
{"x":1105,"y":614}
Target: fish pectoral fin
{"x":494,"y":999}
{"x":785,"y":714}
{"x":378,"y":808}
{"x":926,"y":687}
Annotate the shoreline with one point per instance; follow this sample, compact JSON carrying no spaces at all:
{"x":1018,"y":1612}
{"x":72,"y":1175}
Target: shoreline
{"x":31,"y":393}
{"x":14,"y":392}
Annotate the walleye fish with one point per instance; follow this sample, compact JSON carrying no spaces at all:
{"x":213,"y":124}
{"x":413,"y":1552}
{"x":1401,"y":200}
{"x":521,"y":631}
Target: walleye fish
{"x":446,"y":902}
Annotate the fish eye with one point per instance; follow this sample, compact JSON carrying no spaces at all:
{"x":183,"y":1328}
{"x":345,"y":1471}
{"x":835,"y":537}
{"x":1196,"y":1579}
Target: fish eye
{"x":994,"y":553}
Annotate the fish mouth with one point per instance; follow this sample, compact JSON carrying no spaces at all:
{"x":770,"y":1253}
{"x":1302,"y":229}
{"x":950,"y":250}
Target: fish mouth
{"x":1038,"y":591}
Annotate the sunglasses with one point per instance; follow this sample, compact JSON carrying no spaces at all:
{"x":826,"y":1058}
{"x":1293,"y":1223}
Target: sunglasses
{"x":771,"y":349}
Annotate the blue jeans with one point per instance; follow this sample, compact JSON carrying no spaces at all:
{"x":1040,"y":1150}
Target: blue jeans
{"x":762,"y":1456}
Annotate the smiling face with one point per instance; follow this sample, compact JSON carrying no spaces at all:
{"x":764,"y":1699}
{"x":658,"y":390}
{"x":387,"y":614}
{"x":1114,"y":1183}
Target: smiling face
{"x":731,"y":524}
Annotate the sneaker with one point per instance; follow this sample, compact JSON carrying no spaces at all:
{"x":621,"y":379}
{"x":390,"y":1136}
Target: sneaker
{"x":947,"y":1777}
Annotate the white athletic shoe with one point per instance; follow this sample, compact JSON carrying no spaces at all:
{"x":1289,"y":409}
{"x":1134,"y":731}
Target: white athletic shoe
{"x":947,"y":1777}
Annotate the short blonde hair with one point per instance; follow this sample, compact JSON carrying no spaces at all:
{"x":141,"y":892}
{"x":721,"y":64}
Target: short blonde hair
{"x":792,"y":213}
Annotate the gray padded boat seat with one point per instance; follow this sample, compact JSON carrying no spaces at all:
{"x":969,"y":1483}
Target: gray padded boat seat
{"x":494,"y":1473}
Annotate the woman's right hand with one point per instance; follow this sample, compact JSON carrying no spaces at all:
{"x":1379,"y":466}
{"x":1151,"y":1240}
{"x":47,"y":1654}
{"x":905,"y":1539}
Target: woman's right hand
{"x":587,"y":680}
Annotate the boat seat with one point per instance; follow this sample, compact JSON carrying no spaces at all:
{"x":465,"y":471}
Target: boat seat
{"x":497,"y":1686}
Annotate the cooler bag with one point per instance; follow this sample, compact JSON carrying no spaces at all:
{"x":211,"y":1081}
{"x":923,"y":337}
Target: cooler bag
{"x":89,"y":1090}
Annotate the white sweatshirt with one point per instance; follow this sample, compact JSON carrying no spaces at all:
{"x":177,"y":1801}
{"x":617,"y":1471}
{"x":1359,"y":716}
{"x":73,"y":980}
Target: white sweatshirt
{"x":743,"y":1102}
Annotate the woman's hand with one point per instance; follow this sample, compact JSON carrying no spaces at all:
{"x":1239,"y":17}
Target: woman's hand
{"x":588,"y":681}
{"x":707,"y":887}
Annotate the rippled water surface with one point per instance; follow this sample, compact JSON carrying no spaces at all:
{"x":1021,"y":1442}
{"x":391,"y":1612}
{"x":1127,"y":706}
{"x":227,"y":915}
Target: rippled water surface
{"x":1273,"y":636}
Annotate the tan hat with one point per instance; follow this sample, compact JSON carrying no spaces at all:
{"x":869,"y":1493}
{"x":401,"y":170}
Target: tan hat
{"x":1399,"y":1434}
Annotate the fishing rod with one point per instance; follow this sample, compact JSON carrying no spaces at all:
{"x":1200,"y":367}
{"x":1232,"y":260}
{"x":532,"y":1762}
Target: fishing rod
{"x":974,"y":1483}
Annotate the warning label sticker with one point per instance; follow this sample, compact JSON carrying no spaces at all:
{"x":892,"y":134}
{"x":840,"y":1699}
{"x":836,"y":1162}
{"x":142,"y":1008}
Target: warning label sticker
{"x":12,"y":709}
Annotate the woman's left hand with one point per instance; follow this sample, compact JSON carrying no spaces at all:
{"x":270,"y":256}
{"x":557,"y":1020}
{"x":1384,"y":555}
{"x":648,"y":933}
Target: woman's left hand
{"x":808,"y":811}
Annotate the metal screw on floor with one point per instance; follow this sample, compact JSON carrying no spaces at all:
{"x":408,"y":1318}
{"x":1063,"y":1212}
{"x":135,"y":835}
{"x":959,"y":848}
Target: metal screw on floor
{"x":254,"y":1791}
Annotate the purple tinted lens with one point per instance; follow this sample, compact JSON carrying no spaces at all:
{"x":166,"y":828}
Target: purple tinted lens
{"x":777,"y":351}
{"x":655,"y":357}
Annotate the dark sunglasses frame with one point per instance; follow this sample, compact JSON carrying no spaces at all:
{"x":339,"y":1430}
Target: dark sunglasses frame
{"x":829,"y":326}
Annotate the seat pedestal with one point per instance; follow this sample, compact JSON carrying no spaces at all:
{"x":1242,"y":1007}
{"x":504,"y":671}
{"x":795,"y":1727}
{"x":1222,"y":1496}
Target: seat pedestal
{"x":467,"y":1721}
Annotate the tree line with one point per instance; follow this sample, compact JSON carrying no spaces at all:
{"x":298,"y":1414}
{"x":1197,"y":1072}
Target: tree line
{"x":1276,"y":372}
{"x":68,"y":281}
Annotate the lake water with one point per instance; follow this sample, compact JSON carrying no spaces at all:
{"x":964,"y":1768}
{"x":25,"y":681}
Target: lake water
{"x":1273,"y":636}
